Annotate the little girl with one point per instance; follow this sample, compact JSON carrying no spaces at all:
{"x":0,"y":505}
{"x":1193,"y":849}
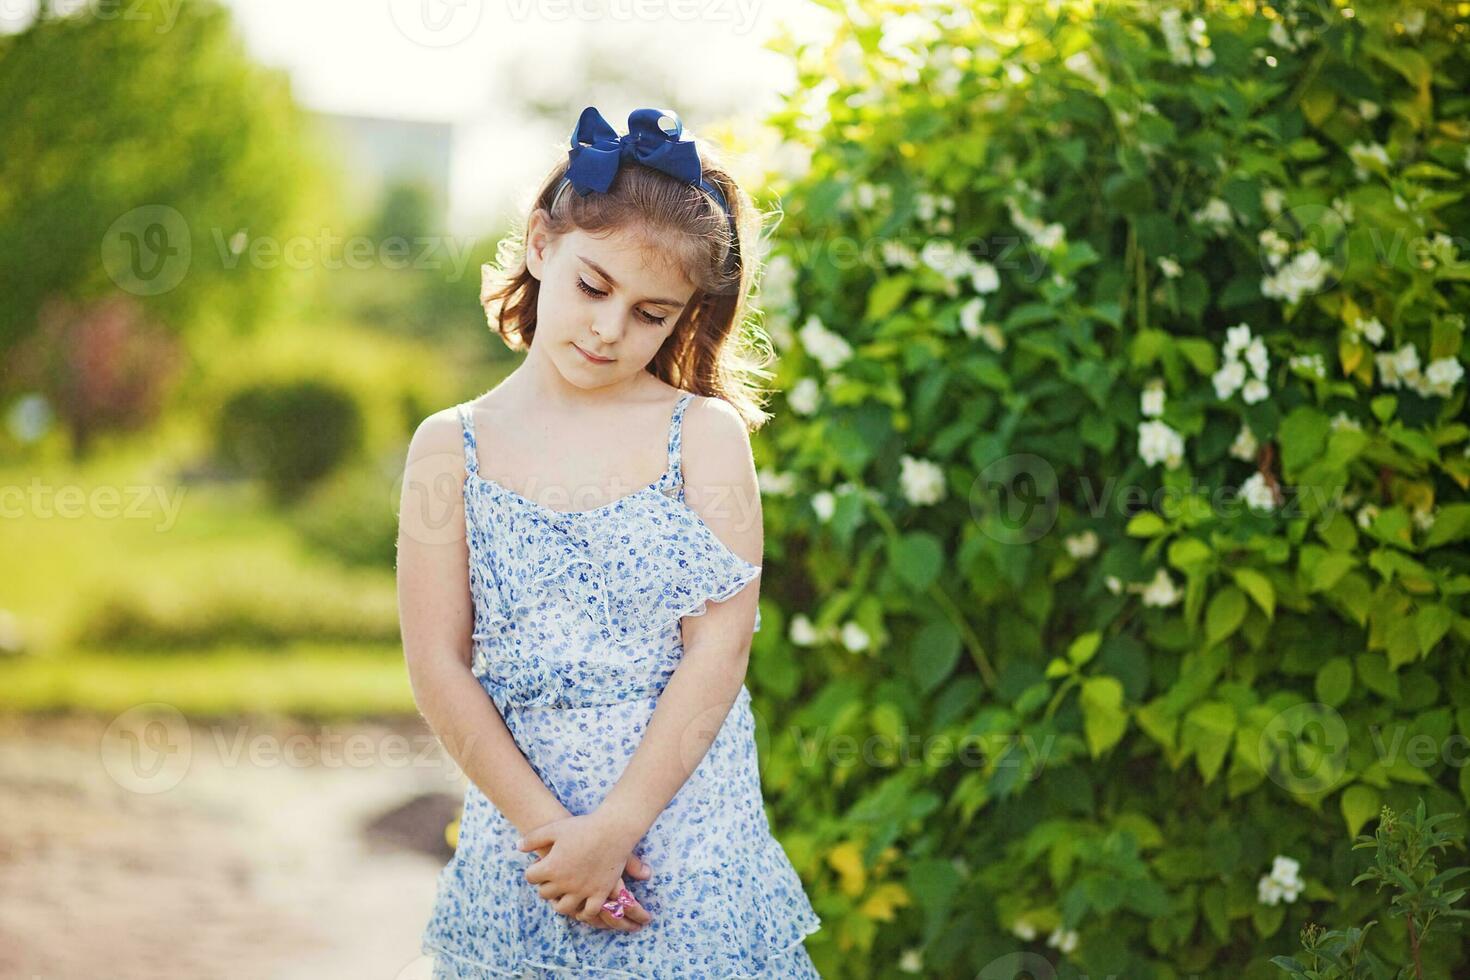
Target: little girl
{"x":582,"y":655}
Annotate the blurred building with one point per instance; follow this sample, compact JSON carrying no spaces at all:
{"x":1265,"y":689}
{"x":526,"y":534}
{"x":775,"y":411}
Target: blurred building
{"x":374,"y":152}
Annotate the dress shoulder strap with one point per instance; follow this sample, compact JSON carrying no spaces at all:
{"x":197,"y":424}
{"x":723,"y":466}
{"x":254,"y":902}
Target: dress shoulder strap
{"x":467,"y":425}
{"x":676,"y":437}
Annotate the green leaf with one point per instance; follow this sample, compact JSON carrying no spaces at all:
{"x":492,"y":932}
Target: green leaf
{"x":1359,"y":804}
{"x":1103,"y":717}
{"x":1225,"y":614}
{"x":1259,"y":588}
{"x":1146,"y":524}
{"x":1186,"y":554}
{"x":1208,"y":730}
{"x":1083,"y":648}
{"x":1303,"y":436}
{"x":885,"y":297}
{"x":917,"y":558}
{"x":936,"y":652}
{"x":1431,"y":623}
{"x":1334,"y":681}
{"x":1451,"y":524}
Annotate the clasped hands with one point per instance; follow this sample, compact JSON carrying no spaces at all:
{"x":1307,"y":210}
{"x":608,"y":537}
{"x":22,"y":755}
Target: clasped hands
{"x":583,"y":859}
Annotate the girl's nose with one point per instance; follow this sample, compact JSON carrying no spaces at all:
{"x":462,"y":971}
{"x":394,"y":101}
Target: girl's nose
{"x":608,"y":328}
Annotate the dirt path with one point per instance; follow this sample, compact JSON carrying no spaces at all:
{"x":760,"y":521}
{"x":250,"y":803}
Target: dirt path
{"x":148,"y":847}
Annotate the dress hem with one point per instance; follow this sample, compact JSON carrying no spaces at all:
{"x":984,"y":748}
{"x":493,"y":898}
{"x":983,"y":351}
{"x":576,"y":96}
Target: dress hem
{"x":432,"y":948}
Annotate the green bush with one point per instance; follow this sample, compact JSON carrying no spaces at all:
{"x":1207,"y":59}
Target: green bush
{"x":1123,"y":346}
{"x":351,"y":516}
{"x":288,"y":434}
{"x":358,"y":610}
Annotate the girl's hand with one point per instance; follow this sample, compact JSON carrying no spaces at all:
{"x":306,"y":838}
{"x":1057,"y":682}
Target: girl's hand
{"x":582,"y":869}
{"x":634,"y":917}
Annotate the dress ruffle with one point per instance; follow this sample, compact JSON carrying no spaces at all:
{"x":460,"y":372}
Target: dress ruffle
{"x":630,"y":589}
{"x":745,"y":917}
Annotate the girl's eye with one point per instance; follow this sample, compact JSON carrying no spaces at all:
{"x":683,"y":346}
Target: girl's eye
{"x":654,"y":320}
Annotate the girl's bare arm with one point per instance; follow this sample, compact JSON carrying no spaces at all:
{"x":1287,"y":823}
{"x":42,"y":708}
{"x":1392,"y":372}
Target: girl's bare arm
{"x":720,"y":485}
{"x":436,"y":616}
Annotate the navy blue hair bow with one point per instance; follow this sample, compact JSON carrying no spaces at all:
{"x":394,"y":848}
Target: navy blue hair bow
{"x":652,"y":140}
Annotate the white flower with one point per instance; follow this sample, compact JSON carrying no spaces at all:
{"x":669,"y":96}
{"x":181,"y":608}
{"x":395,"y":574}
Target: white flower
{"x":927,"y":206}
{"x":1273,"y":199}
{"x":1311,"y":365}
{"x":1400,"y":366}
{"x":1114,"y":584}
{"x":1170,"y":267}
{"x":970,"y":315}
{"x":1245,"y":445}
{"x":1064,"y":940}
{"x":1413,"y":23}
{"x":1257,"y":358}
{"x":867,"y":195}
{"x":994,"y":339}
{"x":1237,"y":339}
{"x":984,"y":278}
{"x":1050,"y":236}
{"x":1443,"y":374}
{"x":943,"y":257}
{"x":1157,"y":443}
{"x":777,"y":283}
{"x":1216,"y":214}
{"x":1024,"y":930}
{"x":1254,"y":391}
{"x":1160,"y":592}
{"x":1424,"y":518}
{"x":803,"y":396}
{"x":854,"y":638}
{"x":1342,"y":420}
{"x":1279,"y":37}
{"x":830,"y":350}
{"x":1151,"y":401}
{"x":1371,"y":329}
{"x":921,"y":481}
{"x":1228,"y":378}
{"x":1368,"y":109}
{"x":1082,"y":64}
{"x":1082,"y":545}
{"x":802,"y":632}
{"x":1367,"y":514}
{"x":776,"y":484}
{"x":899,"y":254}
{"x":912,"y":961}
{"x":1363,"y":155}
{"x":1284,"y":883}
{"x":1173,"y":30}
{"x":824,"y":504}
{"x":1258,"y":493}
{"x":1303,"y":274}
{"x":1277,"y":248}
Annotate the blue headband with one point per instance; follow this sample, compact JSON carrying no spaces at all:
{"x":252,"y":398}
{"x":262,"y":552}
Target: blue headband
{"x":652,"y":140}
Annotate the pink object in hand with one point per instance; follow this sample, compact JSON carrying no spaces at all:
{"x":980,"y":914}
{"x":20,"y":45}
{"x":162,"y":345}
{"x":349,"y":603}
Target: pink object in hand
{"x":624,"y":901}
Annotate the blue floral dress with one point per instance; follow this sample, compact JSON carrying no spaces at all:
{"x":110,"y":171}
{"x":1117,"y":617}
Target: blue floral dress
{"x":576,"y":632}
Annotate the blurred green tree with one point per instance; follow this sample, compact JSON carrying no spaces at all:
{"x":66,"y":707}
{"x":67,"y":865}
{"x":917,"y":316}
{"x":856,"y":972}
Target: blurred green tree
{"x":146,"y":154}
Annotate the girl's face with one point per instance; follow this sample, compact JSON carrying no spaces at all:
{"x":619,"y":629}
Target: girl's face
{"x":606,"y":303}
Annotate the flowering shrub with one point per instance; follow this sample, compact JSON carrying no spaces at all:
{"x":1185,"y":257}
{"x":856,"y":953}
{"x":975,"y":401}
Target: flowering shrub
{"x":1124,"y":474}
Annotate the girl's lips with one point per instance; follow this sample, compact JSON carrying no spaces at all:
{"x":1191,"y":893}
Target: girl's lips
{"x":594,"y":360}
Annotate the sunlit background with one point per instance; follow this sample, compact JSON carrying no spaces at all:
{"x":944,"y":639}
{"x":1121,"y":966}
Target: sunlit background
{"x":184,"y":583}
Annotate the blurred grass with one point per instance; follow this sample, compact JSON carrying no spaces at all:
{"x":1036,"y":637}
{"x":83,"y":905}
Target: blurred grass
{"x":306,"y":680}
{"x":229,"y":605}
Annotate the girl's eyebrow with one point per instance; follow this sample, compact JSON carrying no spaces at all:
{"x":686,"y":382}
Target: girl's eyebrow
{"x":613,"y":282}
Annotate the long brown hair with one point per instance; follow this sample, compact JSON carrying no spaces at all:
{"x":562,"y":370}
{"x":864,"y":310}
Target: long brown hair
{"x":705,"y":353}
